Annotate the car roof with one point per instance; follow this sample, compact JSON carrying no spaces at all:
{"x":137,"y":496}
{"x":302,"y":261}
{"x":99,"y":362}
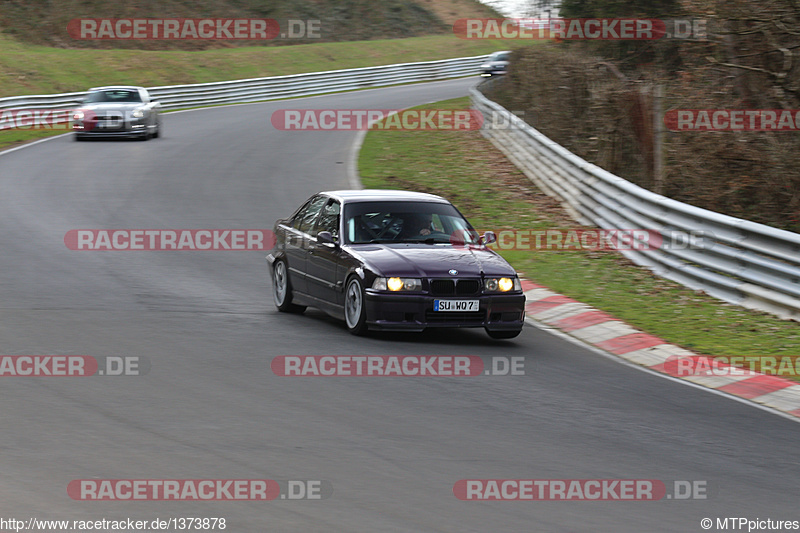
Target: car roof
{"x":114,"y":87}
{"x":366,"y":195}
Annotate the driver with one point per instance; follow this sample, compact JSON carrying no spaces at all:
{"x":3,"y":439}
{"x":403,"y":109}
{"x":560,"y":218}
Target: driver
{"x":416,"y":225}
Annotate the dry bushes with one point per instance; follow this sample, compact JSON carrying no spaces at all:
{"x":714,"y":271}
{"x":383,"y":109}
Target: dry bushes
{"x":602,"y":108}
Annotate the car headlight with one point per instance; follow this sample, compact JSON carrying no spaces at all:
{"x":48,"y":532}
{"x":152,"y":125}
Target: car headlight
{"x":78,"y":115}
{"x":137,"y":113}
{"x":502,"y":284}
{"x":397,"y":284}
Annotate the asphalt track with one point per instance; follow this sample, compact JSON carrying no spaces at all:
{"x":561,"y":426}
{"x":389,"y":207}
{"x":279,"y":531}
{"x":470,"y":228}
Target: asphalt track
{"x":211,"y":408}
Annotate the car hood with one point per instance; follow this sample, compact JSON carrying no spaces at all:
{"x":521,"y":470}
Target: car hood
{"x":431,"y":261}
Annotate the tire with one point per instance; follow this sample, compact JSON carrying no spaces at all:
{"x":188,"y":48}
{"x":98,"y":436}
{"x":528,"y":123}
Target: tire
{"x":503,"y":334}
{"x":282,"y":289}
{"x":355,"y":314}
{"x":78,"y":137}
{"x":157,"y":133}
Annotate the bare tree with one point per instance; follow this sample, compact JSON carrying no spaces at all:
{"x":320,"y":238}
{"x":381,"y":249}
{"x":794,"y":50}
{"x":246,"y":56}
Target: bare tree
{"x":541,"y":8}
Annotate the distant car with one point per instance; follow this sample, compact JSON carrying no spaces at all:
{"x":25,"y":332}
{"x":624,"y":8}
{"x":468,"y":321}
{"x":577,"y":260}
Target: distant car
{"x":393,"y":260}
{"x":117,"y":111}
{"x":496,"y":64}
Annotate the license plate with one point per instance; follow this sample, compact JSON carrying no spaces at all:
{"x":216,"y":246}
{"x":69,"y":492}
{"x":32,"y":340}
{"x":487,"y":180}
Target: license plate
{"x":456,"y":305}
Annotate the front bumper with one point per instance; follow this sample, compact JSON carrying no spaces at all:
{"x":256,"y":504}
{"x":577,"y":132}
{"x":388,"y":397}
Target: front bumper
{"x":414,"y":312}
{"x":128,"y":130}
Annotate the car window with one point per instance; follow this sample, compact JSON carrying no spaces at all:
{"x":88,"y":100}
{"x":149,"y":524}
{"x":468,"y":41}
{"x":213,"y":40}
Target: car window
{"x":294,"y":222}
{"x":405,"y":222}
{"x":114,"y":95}
{"x":329,"y":219}
{"x":310,"y":214}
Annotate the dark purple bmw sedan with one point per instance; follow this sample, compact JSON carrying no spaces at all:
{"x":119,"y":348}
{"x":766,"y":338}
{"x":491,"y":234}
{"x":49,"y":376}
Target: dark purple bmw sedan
{"x":393,"y":260}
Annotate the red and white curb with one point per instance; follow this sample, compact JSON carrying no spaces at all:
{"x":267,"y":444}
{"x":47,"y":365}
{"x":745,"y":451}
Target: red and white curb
{"x":615,"y":337}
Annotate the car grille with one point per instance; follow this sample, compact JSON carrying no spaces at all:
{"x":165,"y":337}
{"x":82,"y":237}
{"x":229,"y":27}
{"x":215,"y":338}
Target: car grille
{"x":455,"y":287}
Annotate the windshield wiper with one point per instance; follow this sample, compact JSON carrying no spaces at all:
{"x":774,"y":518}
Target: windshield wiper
{"x":429,"y":240}
{"x":433,"y":240}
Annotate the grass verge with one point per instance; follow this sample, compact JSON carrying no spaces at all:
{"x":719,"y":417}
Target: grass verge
{"x":26,"y":69}
{"x":13,"y":138}
{"x":467,"y":169}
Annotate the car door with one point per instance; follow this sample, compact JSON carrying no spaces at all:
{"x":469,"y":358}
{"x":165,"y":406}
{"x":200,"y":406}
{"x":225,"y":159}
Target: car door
{"x":323,"y":259}
{"x":297,"y":240}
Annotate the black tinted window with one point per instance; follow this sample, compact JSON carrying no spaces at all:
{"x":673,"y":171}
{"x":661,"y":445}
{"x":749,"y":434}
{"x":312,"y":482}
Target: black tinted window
{"x":294,"y":222}
{"x":329,"y":219}
{"x":309,"y":216}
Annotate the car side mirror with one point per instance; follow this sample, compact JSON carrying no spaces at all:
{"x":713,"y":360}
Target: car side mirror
{"x":325,"y":237}
{"x":488,"y":238}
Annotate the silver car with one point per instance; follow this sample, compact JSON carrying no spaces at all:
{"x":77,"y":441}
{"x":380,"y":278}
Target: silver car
{"x":117,"y":111}
{"x":496,"y":64}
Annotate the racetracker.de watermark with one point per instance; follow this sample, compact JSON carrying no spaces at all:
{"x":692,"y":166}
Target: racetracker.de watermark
{"x":62,"y":119}
{"x":169,"y":239}
{"x":198,"y":489}
{"x":396,"y":366}
{"x":732,"y":119}
{"x":392,"y":119}
{"x":733,"y":365}
{"x":590,"y":240}
{"x":72,"y":365}
{"x":578,"y":490}
{"x":160,"y":29}
{"x":587,"y":29}
{"x":36,"y":119}
{"x":378,"y":119}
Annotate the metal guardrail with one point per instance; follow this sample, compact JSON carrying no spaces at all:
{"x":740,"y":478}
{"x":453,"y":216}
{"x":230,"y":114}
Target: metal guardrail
{"x":735,"y":260}
{"x":274,"y":87}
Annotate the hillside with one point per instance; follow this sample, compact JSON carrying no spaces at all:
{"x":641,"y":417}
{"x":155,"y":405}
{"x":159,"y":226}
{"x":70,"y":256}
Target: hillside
{"x":44,"y":22}
{"x":38,"y":56}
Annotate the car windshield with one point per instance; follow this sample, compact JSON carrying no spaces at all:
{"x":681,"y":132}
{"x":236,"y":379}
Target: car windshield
{"x":113,"y":95}
{"x":396,"y":222}
{"x":500,"y":57}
